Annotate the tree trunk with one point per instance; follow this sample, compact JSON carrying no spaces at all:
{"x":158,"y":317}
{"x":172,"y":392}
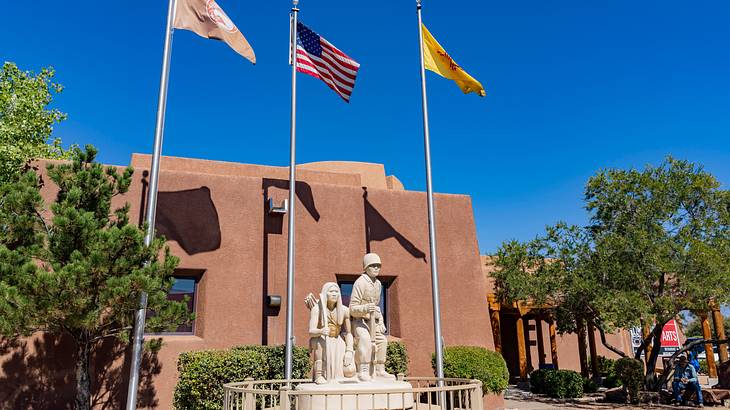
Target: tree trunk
{"x":83,"y":386}
{"x":608,"y":345}
{"x":656,"y":347}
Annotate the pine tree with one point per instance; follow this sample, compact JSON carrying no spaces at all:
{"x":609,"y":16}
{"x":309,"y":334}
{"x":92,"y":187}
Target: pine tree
{"x":77,"y":269}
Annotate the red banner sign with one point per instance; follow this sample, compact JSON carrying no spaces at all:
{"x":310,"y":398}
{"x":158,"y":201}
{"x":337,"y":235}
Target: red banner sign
{"x":670,"y":338}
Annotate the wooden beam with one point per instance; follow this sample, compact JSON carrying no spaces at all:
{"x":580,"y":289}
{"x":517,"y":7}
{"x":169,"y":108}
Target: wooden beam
{"x":718,"y":321}
{"x":592,"y":348}
{"x":496,"y":329}
{"x":540,"y":341}
{"x":553,"y":343}
{"x":521,"y":348}
{"x":709,"y":353}
{"x":528,"y":344}
{"x":493,"y":301}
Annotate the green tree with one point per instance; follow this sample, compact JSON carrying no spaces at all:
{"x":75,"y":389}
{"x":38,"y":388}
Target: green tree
{"x":26,"y":122}
{"x":693,"y":327}
{"x":658,"y":243}
{"x":77,"y":269}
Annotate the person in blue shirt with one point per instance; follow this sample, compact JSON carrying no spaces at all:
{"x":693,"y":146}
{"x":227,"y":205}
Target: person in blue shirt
{"x":693,"y":360}
{"x":685,"y":377}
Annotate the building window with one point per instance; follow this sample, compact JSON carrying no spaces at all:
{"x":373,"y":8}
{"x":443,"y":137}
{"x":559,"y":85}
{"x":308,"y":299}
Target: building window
{"x":346,"y":290}
{"x":182,"y":286}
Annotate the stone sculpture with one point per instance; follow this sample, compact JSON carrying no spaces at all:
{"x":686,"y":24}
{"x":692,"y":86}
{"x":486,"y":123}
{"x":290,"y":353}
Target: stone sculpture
{"x":368,"y":323}
{"x":331,"y":337}
{"x":340,"y":339}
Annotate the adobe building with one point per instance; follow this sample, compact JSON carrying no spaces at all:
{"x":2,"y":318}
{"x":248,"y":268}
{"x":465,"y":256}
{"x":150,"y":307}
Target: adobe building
{"x":228,"y":225}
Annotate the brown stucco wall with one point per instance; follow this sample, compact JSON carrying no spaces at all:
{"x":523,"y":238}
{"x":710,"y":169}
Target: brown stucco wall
{"x":341,"y":215}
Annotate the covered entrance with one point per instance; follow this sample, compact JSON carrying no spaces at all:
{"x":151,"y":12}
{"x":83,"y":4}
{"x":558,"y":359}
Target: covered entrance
{"x":521,"y":331}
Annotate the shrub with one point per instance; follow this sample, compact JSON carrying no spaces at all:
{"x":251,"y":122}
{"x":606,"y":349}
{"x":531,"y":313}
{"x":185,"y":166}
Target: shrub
{"x":630,"y":372}
{"x":202,"y":373}
{"x":397,"y":358}
{"x":559,"y":383}
{"x":589,"y":386}
{"x":274,"y":358}
{"x":472,"y":362}
{"x":611,"y":381}
{"x":537,"y":380}
{"x":605,"y":365}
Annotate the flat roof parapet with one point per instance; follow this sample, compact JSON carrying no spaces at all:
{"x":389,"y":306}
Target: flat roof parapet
{"x":346,"y":173}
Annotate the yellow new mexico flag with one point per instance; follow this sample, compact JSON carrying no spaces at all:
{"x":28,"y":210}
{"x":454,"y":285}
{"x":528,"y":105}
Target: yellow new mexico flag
{"x":436,"y":59}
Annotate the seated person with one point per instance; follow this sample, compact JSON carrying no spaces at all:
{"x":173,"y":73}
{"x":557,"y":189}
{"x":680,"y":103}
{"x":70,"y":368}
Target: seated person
{"x":685,"y":377}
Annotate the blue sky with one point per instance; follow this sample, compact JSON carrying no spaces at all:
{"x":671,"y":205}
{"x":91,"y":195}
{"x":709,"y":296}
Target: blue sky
{"x":572,"y":87}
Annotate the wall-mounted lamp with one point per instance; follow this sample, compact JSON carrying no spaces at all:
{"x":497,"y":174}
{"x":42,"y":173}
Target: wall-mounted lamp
{"x":273,"y":301}
{"x":278,"y":209}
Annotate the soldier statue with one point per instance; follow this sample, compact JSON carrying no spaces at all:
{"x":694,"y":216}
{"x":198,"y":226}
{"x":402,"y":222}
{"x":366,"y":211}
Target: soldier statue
{"x":368,"y":325}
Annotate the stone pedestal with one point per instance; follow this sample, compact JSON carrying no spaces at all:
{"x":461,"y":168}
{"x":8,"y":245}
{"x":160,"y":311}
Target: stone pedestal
{"x":353,"y":395}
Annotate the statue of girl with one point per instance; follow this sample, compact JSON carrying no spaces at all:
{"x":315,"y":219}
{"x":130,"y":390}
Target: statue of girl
{"x":331,"y":337}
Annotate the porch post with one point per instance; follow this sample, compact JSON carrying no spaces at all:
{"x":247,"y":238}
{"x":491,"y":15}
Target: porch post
{"x":494,"y":308}
{"x":540,"y":341}
{"x":710,"y":355}
{"x":553,"y":343}
{"x":521,"y":349}
{"x":718,"y":321}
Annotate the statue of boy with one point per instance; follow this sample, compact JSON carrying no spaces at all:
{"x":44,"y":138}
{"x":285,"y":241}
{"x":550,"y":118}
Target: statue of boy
{"x":367,"y":321}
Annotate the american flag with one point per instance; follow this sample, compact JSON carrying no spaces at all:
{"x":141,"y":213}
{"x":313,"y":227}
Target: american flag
{"x":320,"y":59}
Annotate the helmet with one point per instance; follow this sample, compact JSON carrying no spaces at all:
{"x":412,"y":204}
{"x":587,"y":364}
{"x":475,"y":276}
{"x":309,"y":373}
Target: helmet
{"x":370,"y":259}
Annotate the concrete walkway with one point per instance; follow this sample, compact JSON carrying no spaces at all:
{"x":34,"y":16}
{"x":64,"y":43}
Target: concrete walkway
{"x":516,"y":399}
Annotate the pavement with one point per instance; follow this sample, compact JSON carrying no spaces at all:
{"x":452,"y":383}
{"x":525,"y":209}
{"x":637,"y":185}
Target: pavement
{"x":516,"y":399}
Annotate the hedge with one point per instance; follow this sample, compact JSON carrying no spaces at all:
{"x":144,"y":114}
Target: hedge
{"x":397,"y":358}
{"x":203,"y":373}
{"x":557,"y":383}
{"x":631,"y":373}
{"x":605,"y":365}
{"x":472,"y":362}
{"x":589,"y":386}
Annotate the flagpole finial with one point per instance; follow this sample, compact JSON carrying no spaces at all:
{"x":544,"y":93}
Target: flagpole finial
{"x":418,"y":4}
{"x":295,"y":2}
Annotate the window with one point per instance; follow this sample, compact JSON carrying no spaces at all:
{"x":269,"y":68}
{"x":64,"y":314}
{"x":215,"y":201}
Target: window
{"x":181,"y":287}
{"x":346,"y":290}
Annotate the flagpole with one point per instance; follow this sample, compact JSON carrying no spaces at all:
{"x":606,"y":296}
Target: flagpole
{"x":431,"y":224}
{"x":292,"y":196}
{"x":151,"y":210}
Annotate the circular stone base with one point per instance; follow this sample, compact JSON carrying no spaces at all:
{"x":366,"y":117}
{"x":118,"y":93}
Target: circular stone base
{"x":354,"y":395}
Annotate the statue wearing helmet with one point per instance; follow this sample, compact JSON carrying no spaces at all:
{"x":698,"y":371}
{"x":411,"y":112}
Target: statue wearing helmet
{"x":368,"y":323}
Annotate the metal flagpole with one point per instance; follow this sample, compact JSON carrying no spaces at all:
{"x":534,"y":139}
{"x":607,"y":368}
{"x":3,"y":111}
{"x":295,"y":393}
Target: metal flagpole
{"x":431,"y":224}
{"x":151,"y":206}
{"x":292,"y":195}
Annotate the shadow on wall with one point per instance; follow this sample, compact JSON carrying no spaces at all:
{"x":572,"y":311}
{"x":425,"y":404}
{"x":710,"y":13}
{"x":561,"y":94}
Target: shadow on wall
{"x":304,"y":194}
{"x":39,"y":374}
{"x":274,"y":225}
{"x":377,"y":228}
{"x":188,"y":217}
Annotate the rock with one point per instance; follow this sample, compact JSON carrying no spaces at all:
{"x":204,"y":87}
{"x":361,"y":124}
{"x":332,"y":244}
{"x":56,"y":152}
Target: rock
{"x":615,"y":395}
